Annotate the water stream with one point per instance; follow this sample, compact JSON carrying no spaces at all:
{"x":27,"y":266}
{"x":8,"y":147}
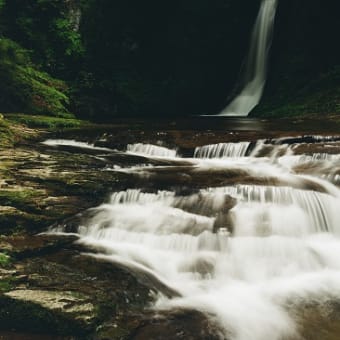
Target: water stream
{"x":256,"y":67}
{"x":250,"y":253}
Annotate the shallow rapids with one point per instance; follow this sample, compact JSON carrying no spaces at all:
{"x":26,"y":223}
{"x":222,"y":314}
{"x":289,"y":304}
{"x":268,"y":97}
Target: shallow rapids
{"x":250,"y":253}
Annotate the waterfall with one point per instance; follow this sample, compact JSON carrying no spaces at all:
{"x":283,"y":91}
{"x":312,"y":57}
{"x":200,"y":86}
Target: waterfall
{"x":151,"y":150}
{"x":282,"y":210}
{"x":137,"y":196}
{"x":257,"y":59}
{"x":282,"y":247}
{"x":222,"y":150}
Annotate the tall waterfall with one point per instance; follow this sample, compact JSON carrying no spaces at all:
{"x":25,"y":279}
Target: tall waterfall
{"x":255,"y":72}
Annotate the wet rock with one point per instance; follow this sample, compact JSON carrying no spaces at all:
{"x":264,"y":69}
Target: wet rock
{"x":308,"y":139}
{"x":65,"y":302}
{"x":223,"y":221}
{"x":308,"y":149}
{"x":174,"y":177}
{"x":51,"y":287}
{"x":170,"y":325}
{"x":318,"y":320}
{"x":176,"y":325}
{"x":62,"y":292}
{"x":41,"y":188}
{"x":22,"y":246}
{"x":202,"y":205}
{"x":45,"y":312}
{"x":6,"y":272}
{"x":7,"y":335}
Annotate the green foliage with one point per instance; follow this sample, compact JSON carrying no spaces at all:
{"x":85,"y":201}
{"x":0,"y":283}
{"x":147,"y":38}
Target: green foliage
{"x":26,"y":89}
{"x":71,"y":38}
{"x":48,"y":28}
{"x":48,"y":94}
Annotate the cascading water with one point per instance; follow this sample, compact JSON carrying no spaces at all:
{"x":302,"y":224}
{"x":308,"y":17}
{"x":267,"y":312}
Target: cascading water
{"x":257,"y":60}
{"x":222,"y":150}
{"x":151,"y":150}
{"x":248,"y":254}
{"x":73,"y":143}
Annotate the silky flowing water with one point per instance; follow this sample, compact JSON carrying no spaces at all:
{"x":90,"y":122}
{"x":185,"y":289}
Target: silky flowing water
{"x":255,"y":72}
{"x":249,"y":254}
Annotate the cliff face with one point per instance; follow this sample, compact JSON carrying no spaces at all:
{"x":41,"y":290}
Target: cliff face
{"x":171,"y":57}
{"x":304,"y":73}
{"x":184,"y":57}
{"x":306,"y":36}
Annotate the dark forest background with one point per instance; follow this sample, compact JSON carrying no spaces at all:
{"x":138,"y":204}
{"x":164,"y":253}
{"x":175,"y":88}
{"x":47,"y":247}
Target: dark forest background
{"x":97,"y":59}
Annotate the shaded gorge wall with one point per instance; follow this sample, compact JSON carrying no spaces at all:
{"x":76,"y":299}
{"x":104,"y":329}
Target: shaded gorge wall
{"x":304,"y":76}
{"x":165,"y":58}
{"x":185,"y":57}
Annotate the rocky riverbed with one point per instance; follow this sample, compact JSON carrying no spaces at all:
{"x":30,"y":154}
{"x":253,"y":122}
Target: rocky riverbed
{"x":49,"y":290}
{"x":50,"y":285}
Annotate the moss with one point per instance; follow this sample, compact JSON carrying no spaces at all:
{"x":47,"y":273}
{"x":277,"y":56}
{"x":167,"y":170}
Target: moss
{"x":45,"y":122}
{"x":19,"y":199}
{"x":6,"y":133}
{"x":5,"y":260}
{"x":5,"y":286}
{"x":5,"y":280}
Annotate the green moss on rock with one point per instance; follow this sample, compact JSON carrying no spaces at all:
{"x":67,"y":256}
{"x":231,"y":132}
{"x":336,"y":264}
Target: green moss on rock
{"x":5,"y":260}
{"x":45,"y":122}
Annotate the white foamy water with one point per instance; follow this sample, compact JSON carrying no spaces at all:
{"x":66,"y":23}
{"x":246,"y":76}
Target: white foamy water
{"x":279,"y":237}
{"x":222,"y":150}
{"x":257,"y":60}
{"x":294,"y":160}
{"x":73,"y":143}
{"x":137,"y":196}
{"x":267,"y":210}
{"x":250,"y":255}
{"x":151,"y":150}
